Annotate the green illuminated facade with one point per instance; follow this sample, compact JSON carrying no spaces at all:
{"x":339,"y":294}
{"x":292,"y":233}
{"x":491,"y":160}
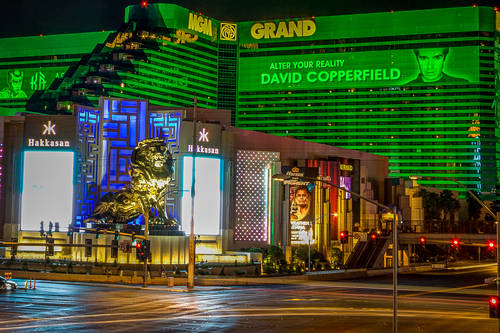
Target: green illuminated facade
{"x":30,"y":65}
{"x":416,"y":86}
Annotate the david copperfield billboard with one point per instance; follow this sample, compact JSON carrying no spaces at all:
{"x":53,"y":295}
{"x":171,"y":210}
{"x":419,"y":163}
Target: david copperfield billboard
{"x":437,"y":65}
{"x":301,"y":205}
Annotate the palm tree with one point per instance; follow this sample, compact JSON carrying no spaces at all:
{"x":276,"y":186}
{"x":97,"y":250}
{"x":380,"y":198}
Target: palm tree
{"x":430,"y":202}
{"x":449,"y":206}
{"x":474,"y":210}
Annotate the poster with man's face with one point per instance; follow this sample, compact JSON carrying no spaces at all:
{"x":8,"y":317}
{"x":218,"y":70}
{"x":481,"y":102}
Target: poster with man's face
{"x":302,"y":214}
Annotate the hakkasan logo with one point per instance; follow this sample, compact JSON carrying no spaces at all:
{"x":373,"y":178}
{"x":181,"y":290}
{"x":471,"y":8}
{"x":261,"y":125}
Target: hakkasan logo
{"x":228,"y":31}
{"x":48,"y":128}
{"x":295,"y":169}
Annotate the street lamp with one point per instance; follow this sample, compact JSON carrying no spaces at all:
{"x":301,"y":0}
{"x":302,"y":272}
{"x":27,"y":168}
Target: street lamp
{"x":192,"y":254}
{"x":287,"y":178}
{"x":309,"y":236}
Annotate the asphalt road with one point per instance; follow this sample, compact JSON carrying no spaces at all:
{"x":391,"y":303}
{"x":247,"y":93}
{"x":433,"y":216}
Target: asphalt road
{"x":454,"y":301}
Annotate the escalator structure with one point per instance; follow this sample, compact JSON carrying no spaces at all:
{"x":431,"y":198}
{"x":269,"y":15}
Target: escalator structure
{"x":368,"y":254}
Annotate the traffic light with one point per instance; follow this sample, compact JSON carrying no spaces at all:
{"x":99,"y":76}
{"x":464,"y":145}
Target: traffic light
{"x":455,"y":242}
{"x":422,"y":240}
{"x":50,"y":228}
{"x":344,"y":237}
{"x":372,"y":236}
{"x":117,"y":235}
{"x":114,"y":248}
{"x":88,"y":247}
{"x":70,"y":230}
{"x":139,"y":251}
{"x":491,"y":245}
{"x":97,"y":233}
{"x":50,"y":246}
{"x":494,"y":307}
{"x":147,"y":249}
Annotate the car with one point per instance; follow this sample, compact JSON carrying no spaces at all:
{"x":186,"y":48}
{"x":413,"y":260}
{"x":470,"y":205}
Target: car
{"x":7,"y":284}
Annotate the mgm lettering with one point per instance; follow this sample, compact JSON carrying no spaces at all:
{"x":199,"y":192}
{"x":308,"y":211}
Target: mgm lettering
{"x":200,"y":24}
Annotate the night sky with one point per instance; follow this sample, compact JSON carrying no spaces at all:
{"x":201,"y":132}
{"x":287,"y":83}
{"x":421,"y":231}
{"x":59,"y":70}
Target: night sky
{"x":34,"y":17}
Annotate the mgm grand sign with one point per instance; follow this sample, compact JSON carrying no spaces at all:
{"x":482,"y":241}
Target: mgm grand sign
{"x":283,"y":29}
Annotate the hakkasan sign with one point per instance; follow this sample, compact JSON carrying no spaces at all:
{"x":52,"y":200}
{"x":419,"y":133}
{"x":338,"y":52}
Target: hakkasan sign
{"x":354,"y":69}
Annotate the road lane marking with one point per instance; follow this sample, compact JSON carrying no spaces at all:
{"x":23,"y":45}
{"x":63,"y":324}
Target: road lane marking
{"x":267,"y":312}
{"x":445,"y":290}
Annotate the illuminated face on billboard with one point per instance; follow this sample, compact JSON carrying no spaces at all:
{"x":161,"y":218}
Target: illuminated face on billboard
{"x":302,"y":204}
{"x":431,"y":64}
{"x":14,"y":85}
{"x":301,"y":214}
{"x":16,"y":81}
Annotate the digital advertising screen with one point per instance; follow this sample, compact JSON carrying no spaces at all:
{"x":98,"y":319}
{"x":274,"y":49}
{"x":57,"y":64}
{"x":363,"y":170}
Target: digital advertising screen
{"x":301,"y":214}
{"x":345,"y":182}
{"x":439,"y":65}
{"x":208,"y":188}
{"x":47,"y":189}
{"x":302,"y":203}
{"x":22,"y":83}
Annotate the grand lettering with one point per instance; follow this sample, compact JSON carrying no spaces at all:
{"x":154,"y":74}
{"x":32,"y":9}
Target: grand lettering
{"x":267,"y":30}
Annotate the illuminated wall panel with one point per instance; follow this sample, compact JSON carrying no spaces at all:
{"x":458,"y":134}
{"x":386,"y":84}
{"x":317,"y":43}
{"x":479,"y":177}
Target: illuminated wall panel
{"x":208,"y":188}
{"x":47,"y":190}
{"x":251,"y":195}
{"x":88,"y":127}
{"x":167,"y":125}
{"x":123,"y":125}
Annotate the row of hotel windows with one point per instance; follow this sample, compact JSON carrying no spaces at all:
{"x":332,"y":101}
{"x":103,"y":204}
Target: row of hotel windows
{"x":334,"y":102}
{"x":337,"y":126}
{"x":361,"y":95}
{"x":365,"y":112}
{"x":373,"y":39}
{"x":43,"y":58}
{"x":117,"y":92}
{"x":340,"y":49}
{"x":401,"y":90}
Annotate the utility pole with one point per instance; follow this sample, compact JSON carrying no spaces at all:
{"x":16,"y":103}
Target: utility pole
{"x":145,"y":213}
{"x":192,"y":256}
{"x":498,"y":260}
{"x":394,"y":271}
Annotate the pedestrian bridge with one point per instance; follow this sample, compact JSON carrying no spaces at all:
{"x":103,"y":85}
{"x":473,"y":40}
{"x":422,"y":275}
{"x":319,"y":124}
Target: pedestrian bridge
{"x":463,"y":239}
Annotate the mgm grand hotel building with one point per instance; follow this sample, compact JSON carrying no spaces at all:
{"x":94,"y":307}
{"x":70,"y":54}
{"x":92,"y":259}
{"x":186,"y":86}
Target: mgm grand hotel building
{"x":417,"y":87}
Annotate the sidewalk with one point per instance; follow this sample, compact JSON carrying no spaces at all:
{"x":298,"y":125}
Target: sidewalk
{"x":221,"y":281}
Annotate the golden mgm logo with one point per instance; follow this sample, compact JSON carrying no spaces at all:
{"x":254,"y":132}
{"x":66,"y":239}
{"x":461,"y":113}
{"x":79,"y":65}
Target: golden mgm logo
{"x":228,"y":31}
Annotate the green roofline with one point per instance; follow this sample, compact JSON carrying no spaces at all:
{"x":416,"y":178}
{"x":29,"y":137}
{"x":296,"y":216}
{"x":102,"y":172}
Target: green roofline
{"x":46,"y":45}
